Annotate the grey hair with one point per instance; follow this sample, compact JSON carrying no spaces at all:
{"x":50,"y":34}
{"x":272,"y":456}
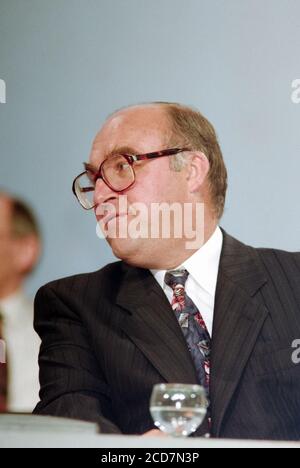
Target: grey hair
{"x":178,"y":162}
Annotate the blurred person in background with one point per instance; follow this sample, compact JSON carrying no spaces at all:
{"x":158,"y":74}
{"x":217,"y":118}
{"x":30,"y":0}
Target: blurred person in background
{"x":20,"y":245}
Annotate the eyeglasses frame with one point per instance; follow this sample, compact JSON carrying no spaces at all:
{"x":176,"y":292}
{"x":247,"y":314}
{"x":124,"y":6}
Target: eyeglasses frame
{"x":131,"y":159}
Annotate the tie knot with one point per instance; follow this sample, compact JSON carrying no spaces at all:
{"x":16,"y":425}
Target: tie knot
{"x":176,"y":277}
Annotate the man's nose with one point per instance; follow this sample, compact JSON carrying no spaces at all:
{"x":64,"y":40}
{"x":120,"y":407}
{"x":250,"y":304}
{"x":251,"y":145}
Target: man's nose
{"x":103,"y":193}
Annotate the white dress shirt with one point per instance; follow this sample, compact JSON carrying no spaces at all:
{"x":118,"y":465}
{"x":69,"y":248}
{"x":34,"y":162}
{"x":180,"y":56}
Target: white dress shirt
{"x":203,"y":267}
{"x":22,"y":345}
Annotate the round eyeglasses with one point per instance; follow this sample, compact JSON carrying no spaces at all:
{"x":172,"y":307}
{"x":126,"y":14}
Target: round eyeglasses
{"x":117,"y":172}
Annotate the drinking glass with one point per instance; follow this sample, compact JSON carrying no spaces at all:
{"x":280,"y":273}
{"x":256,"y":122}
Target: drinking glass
{"x":178,"y":409}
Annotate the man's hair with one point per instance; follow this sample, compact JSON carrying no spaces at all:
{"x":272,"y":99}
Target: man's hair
{"x":189,"y":128}
{"x":24,"y":222}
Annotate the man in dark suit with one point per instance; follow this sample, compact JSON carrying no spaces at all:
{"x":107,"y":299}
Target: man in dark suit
{"x":230,"y":321}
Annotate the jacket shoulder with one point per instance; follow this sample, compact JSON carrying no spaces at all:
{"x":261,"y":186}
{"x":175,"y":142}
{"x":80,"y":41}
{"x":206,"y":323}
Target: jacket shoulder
{"x":102,"y":279}
{"x":279,"y":255}
{"x":280,"y":260}
{"x":235,"y":246}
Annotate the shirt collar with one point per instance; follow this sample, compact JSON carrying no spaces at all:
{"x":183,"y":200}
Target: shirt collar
{"x":203,"y":265}
{"x":12,"y":307}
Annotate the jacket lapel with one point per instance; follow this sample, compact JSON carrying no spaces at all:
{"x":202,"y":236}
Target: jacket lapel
{"x":238,"y":319}
{"x":151,"y":324}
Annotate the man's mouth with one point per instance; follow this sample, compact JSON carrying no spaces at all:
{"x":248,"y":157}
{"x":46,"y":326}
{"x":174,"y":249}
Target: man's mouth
{"x":106,"y":219}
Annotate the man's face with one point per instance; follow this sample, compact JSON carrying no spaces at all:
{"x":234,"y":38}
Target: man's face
{"x":6,"y":240}
{"x":139,"y":130}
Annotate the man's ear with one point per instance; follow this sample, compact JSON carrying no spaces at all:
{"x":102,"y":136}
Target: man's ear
{"x":27,"y":253}
{"x":197,"y":170}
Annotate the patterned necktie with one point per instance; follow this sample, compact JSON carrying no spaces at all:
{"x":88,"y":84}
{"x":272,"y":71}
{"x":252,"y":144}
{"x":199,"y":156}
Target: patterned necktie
{"x":3,"y":372}
{"x":192,"y":325}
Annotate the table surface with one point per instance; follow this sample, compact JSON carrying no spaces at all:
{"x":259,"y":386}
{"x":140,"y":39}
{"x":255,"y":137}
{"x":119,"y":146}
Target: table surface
{"x":27,"y":431}
{"x":32,"y":439}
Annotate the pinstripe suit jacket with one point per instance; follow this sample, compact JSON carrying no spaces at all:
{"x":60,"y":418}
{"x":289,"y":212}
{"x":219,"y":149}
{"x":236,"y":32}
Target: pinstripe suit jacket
{"x":109,"y":336}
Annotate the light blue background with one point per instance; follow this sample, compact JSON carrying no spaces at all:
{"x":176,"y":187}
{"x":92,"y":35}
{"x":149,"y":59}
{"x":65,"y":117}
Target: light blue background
{"x":69,"y":63}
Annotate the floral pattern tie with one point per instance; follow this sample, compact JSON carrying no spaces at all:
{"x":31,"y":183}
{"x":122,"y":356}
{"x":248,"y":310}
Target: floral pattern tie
{"x":192,"y":325}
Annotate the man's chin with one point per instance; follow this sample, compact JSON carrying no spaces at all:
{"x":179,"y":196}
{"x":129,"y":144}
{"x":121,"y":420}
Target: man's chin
{"x":123,"y":248}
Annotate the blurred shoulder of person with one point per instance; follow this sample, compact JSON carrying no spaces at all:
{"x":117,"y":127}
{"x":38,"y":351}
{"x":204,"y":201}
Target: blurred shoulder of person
{"x":20,"y":246}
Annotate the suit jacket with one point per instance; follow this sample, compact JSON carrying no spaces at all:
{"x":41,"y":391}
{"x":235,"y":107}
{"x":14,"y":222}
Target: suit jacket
{"x":109,"y":336}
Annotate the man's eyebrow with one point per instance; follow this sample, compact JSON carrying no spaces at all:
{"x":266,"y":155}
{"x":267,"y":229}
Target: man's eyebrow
{"x":121,"y":150}
{"x":110,"y":154}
